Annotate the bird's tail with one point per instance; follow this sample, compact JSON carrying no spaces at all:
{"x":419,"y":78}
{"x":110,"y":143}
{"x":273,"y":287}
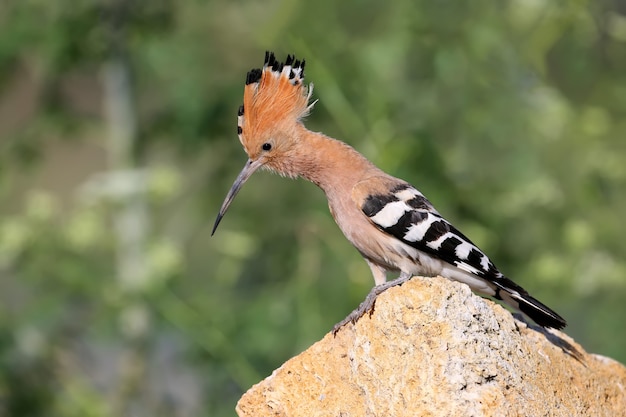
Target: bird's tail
{"x":517,"y":297}
{"x":273,"y":95}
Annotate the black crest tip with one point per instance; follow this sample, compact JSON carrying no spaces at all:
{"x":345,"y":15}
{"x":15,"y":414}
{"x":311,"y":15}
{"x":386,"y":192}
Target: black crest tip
{"x":270,"y":59}
{"x":253,"y":76}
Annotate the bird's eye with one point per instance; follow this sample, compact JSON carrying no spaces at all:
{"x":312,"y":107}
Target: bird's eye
{"x":266,"y":146}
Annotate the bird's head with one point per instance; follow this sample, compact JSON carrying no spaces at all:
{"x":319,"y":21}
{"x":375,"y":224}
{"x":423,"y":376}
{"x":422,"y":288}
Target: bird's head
{"x":275,"y":100}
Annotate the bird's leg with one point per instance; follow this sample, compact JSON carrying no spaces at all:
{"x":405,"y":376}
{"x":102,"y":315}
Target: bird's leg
{"x":367,"y":306}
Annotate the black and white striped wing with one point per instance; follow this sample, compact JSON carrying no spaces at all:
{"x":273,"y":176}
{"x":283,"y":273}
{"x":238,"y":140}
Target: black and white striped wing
{"x":404,"y":213}
{"x":407,"y":215}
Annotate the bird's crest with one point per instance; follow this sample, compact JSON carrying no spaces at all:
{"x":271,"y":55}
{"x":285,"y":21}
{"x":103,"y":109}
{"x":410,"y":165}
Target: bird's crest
{"x":273,"y":95}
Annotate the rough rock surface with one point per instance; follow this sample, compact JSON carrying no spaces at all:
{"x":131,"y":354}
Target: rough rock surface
{"x":432,"y":348}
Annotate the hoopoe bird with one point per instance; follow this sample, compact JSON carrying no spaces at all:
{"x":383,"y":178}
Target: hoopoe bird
{"x":388,"y":220}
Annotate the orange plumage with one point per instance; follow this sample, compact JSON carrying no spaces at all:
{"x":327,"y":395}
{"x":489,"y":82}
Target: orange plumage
{"x":274,"y":101}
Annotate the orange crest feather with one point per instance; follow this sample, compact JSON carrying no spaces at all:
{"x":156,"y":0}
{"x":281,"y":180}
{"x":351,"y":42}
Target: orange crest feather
{"x":274,"y":96}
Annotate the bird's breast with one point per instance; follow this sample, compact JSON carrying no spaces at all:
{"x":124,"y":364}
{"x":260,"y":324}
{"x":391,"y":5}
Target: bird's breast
{"x":378,"y":246}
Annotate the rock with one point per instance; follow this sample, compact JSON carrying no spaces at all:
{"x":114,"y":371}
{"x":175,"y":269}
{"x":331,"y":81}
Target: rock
{"x":433,"y":348}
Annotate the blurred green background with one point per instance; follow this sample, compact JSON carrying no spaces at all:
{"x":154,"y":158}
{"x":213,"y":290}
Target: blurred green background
{"x":118,"y":143}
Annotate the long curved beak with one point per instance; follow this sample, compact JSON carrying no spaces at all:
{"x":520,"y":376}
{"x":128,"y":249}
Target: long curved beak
{"x":248,"y":169}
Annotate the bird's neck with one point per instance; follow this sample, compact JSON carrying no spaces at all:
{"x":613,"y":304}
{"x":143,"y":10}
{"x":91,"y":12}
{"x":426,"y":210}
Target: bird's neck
{"x":331,"y":164}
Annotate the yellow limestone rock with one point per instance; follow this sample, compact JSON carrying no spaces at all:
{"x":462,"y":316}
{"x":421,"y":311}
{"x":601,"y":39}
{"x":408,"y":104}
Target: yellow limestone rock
{"x":432,"y":348}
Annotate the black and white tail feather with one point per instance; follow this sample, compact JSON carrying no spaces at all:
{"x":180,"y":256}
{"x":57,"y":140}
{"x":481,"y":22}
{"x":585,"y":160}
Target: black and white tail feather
{"x":407,"y":215}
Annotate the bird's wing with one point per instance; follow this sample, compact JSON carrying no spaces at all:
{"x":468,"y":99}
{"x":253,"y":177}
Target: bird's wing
{"x":400,"y":210}
{"x":403,"y":212}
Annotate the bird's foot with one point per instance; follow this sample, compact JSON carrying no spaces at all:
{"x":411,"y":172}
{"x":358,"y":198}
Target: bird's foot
{"x":367,"y":306}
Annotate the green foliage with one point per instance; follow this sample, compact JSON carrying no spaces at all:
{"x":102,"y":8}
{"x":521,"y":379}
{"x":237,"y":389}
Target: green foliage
{"x":115,"y":300}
